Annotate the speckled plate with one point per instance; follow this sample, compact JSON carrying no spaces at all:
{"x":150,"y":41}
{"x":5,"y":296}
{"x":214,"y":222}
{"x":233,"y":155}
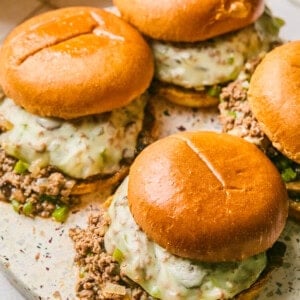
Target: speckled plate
{"x":37,"y":255}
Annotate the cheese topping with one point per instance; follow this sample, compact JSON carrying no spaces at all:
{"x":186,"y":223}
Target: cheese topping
{"x":166,"y":276}
{"x":218,"y":60}
{"x":79,"y":148}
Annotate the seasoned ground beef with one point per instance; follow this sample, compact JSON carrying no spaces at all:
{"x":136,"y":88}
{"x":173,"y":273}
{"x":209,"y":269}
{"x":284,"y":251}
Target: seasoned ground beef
{"x":34,"y":193}
{"x":235,"y":114}
{"x":99,"y":273}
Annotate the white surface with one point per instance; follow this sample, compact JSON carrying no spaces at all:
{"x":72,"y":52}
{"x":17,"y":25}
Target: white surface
{"x":7,"y":291}
{"x":290,"y":12}
{"x":12,"y":12}
{"x":38,"y":254}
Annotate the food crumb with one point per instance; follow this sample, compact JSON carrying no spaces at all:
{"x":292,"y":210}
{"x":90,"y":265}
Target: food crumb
{"x":57,"y":295}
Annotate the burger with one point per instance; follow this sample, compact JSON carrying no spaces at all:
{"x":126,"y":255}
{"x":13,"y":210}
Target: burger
{"x":265,"y":111}
{"x":195,"y":217}
{"x":200,"y":45}
{"x":75,"y":81}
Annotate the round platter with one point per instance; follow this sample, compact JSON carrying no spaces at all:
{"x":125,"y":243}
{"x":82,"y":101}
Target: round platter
{"x":36,"y":255}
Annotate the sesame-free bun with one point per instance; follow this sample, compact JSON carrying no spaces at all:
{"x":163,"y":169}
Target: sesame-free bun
{"x":185,"y":97}
{"x":207,"y":196}
{"x":73,"y":62}
{"x":189,"y":20}
{"x":274,"y":97}
{"x":97,"y":184}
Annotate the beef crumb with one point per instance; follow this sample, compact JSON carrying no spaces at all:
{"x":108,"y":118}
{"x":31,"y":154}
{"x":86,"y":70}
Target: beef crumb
{"x":97,"y":268}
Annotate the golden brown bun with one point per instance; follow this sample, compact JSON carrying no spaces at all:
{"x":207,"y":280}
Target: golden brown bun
{"x":293,"y":187}
{"x":73,"y":62}
{"x":274,"y":97}
{"x":294,"y":210}
{"x":189,"y":20}
{"x":207,"y":196}
{"x":185,"y":97}
{"x":89,"y":186}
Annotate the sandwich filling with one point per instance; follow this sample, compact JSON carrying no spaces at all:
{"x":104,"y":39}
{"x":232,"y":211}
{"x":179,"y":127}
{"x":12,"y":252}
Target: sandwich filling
{"x":44,"y":159}
{"x":237,"y":119}
{"x":166,"y":276}
{"x":79,"y":148}
{"x":217,"y":60}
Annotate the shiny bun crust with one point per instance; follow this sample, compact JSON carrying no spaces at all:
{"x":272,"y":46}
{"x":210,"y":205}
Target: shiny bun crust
{"x":207,"y":196}
{"x":274,"y":97}
{"x":73,"y":62}
{"x":189,"y":20}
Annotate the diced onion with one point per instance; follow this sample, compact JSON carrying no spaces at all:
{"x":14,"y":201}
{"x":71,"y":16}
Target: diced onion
{"x":112,"y":288}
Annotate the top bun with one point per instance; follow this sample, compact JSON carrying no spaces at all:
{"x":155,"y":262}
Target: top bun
{"x":274,"y":97}
{"x":189,"y":20}
{"x":74,"y":62}
{"x":207,"y":196}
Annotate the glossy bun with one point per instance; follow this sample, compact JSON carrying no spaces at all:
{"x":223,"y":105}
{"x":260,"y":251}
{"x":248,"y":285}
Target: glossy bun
{"x":274,"y":97}
{"x":73,"y":62}
{"x":207,"y":196}
{"x":189,"y":20}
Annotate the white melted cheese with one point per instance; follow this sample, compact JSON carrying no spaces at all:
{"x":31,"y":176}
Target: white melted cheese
{"x":79,"y":148}
{"x":170,"y":277}
{"x":218,"y":60}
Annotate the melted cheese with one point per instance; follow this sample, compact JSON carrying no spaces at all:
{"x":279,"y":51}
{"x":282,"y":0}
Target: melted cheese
{"x":218,"y":60}
{"x":170,"y":277}
{"x":79,"y":148}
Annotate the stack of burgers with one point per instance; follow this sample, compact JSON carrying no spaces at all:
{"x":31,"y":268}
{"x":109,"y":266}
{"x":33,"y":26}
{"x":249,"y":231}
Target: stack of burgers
{"x":75,"y":80}
{"x":199,"y":46}
{"x":188,"y":223}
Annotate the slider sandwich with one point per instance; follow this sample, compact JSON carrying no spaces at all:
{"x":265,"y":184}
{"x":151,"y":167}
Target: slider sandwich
{"x":195,"y":217}
{"x":75,"y":80}
{"x":200,"y":45}
{"x":266,"y":112}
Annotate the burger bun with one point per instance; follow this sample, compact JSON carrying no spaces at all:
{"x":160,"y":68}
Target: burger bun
{"x":74,"y":62}
{"x":274,"y":98}
{"x":207,"y":196}
{"x":189,"y":20}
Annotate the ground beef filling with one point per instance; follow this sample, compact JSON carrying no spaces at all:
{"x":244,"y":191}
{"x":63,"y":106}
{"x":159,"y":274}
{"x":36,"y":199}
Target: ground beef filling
{"x":235,"y":114}
{"x":44,"y":193}
{"x":237,"y":119}
{"x":99,"y":275}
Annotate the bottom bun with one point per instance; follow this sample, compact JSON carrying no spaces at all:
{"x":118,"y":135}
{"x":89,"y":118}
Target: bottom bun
{"x":294,"y":210}
{"x":185,"y":97}
{"x":85,"y":187}
{"x":293,"y":188}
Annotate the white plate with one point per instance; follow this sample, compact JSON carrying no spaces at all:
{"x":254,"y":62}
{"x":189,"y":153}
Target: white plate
{"x":39,"y":251}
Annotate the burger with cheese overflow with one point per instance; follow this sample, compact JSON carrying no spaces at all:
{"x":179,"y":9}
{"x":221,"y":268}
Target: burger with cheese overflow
{"x":266,"y":112}
{"x":195,"y":217}
{"x":74,"y":80}
{"x":200,"y":45}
